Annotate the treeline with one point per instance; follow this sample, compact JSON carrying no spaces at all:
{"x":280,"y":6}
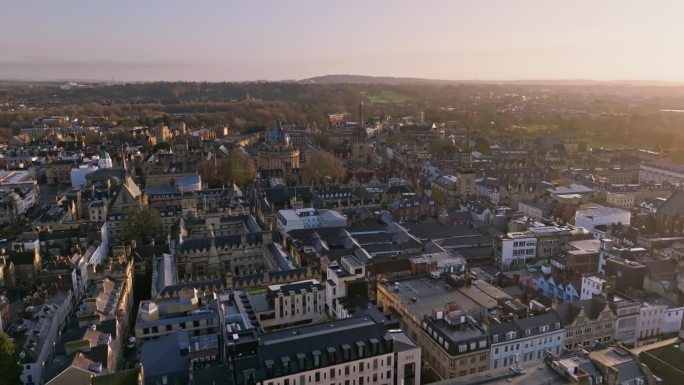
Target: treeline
{"x":619,"y":114}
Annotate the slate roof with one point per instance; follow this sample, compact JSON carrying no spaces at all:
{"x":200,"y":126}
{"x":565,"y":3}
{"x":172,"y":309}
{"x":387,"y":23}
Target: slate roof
{"x":220,"y":241}
{"x":568,"y":312}
{"x":322,"y":337}
{"x":532,"y":324}
{"x":661,"y":269}
{"x":163,"y":355}
{"x":673,"y":205}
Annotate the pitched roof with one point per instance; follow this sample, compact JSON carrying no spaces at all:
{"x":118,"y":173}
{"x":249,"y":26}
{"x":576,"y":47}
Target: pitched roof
{"x":673,"y":205}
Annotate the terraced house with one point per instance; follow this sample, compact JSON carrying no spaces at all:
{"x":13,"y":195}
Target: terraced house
{"x":587,"y":321}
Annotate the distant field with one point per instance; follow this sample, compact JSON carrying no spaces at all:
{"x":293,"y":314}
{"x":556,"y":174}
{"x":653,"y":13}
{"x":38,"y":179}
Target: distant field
{"x":385,"y":97}
{"x":535,"y":127}
{"x":598,"y":142}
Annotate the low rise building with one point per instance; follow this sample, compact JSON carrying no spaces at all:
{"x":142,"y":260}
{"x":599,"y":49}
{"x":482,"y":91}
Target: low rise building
{"x":592,"y":285}
{"x":587,"y":322}
{"x":627,"y":311}
{"x":622,"y":200}
{"x":596,"y":215}
{"x":287,"y":305}
{"x":353,"y":350}
{"x":518,"y":342}
{"x":37,"y":331}
{"x":444,"y":316}
{"x":160,"y":317}
{"x":346,"y":278}
{"x":514,"y":250}
{"x":309,"y":218}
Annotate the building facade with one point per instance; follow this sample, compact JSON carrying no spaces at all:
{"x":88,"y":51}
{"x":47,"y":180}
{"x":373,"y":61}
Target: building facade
{"x":525,"y":340}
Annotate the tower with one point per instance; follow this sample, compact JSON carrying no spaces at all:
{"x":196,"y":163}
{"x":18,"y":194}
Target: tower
{"x":105,"y":160}
{"x":359,"y":147}
{"x":361,"y":114}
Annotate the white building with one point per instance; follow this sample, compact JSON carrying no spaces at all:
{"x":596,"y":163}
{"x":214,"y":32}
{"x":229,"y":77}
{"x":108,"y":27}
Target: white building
{"x":287,"y":305}
{"x":309,"y":218}
{"x":623,"y":200}
{"x":672,"y":320}
{"x":591,"y":217}
{"x":40,"y":334}
{"x":355,"y":350}
{"x":627,"y":311}
{"x":525,"y":340}
{"x":349,"y":270}
{"x":514,"y":250}
{"x":661,"y":173}
{"x":592,"y":285}
{"x":78,"y":175}
{"x":531,"y":210}
{"x":650,"y":322}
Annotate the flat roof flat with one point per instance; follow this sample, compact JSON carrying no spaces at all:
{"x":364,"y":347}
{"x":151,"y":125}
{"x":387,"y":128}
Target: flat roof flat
{"x":430,"y":294}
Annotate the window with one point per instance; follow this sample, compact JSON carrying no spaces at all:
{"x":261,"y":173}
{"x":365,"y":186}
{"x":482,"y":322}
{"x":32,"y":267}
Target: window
{"x":389,"y":361}
{"x":332,"y":373}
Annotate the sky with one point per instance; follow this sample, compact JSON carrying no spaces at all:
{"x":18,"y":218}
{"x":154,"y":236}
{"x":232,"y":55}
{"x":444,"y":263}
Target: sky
{"x":204,"y":40}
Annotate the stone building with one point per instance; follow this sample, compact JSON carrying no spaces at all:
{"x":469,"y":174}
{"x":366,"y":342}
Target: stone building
{"x":277,"y":157}
{"x":226,"y":254}
{"x":586,"y":322}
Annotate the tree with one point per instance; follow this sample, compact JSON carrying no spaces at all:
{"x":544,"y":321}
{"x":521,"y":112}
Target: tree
{"x":161,"y":146}
{"x":482,"y":146}
{"x":323,"y":165}
{"x":441,"y":147}
{"x":142,"y":224}
{"x":9,"y":361}
{"x":327,"y":142}
{"x":237,"y":168}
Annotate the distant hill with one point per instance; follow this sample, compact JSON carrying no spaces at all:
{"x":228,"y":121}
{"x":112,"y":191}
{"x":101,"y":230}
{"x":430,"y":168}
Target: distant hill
{"x":383,"y":80}
{"x":402,"y":81}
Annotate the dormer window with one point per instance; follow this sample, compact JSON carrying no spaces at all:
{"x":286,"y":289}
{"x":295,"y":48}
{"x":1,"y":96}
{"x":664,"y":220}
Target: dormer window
{"x":528,"y":332}
{"x":510,"y":335}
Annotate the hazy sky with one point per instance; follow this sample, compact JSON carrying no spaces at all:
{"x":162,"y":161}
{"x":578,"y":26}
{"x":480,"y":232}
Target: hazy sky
{"x":288,"y":39}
